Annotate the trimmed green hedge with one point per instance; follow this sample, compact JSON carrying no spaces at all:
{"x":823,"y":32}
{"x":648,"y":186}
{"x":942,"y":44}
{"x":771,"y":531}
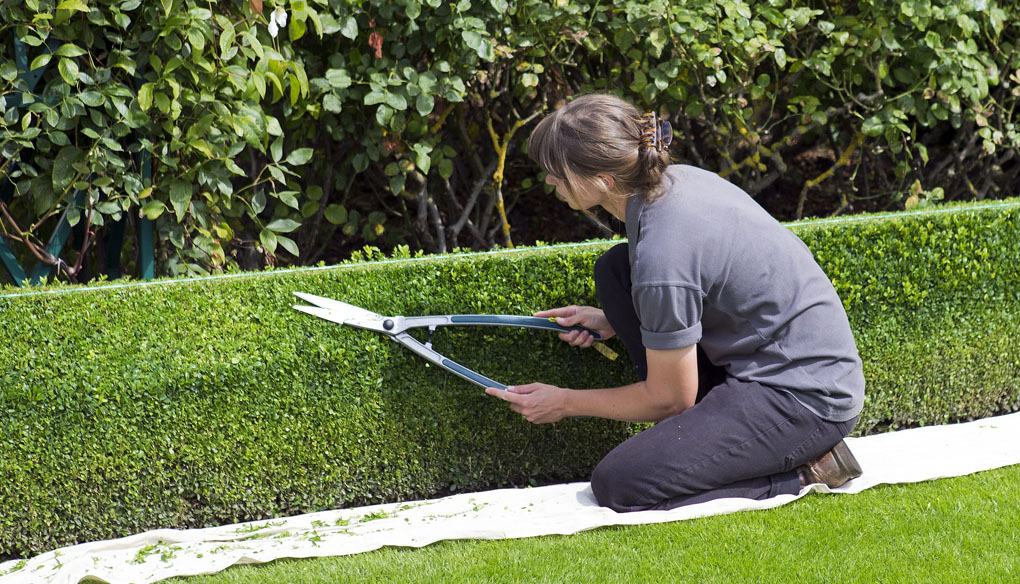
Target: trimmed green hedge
{"x":193,"y":403}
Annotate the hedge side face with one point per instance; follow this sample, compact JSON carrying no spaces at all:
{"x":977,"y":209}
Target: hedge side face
{"x":193,"y":404}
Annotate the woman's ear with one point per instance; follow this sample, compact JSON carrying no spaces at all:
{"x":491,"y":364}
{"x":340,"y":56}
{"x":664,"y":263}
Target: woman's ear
{"x":607,"y":180}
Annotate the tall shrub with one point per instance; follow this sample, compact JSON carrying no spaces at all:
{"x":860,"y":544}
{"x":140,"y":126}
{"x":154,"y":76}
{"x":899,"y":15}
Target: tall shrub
{"x":408,"y":118}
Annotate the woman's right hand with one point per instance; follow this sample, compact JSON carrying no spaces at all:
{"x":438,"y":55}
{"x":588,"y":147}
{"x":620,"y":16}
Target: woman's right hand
{"x":586,"y":316}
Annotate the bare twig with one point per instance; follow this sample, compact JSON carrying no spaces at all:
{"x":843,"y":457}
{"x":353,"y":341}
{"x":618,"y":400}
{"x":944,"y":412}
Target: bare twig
{"x":40,"y":254}
{"x":502,"y":145}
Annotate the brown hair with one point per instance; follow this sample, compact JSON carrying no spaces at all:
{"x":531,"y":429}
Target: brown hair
{"x":597,"y":134}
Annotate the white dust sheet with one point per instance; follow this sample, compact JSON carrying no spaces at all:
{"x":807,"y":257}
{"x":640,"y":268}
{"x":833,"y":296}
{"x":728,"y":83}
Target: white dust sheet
{"x":906,"y":456}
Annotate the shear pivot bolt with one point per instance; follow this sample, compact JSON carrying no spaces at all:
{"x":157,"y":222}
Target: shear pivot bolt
{"x":387,"y":324}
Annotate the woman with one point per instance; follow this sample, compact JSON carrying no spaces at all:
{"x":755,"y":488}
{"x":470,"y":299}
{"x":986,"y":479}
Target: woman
{"x":743,"y":349}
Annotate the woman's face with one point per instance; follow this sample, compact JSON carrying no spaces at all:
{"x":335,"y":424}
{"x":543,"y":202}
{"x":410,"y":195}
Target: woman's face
{"x":584,"y":197}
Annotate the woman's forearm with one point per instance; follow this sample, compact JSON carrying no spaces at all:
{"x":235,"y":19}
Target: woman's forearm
{"x":671,"y":387}
{"x":630,"y":403}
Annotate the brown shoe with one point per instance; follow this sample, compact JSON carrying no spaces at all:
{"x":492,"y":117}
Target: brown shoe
{"x":832,"y":469}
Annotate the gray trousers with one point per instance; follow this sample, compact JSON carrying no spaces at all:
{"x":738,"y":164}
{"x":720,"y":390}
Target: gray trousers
{"x":740,"y":439}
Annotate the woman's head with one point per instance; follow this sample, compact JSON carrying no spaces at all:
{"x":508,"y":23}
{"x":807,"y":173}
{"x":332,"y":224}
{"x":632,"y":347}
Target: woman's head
{"x":595,"y":137}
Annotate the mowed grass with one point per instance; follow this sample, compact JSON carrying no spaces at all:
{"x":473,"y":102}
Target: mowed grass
{"x":964,"y":529}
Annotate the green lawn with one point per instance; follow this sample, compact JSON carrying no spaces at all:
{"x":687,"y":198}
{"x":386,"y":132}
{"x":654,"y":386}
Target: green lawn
{"x":964,"y":529}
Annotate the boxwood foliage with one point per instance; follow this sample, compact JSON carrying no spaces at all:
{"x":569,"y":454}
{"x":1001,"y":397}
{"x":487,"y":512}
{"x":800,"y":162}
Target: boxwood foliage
{"x":293,"y":130}
{"x":191,"y":403}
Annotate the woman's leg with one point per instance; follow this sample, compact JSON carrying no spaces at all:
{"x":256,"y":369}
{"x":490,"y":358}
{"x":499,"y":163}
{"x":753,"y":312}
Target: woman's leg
{"x":742,"y":440}
{"x":613,"y":287}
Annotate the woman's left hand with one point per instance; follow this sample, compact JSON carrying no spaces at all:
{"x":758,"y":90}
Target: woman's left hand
{"x":540,"y":403}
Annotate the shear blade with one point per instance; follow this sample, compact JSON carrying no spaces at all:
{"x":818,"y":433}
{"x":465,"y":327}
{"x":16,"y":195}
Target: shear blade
{"x":339,"y":312}
{"x":323,"y":313}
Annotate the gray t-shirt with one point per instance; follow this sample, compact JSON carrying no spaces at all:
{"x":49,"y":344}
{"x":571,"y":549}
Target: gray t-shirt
{"x":710,"y":266}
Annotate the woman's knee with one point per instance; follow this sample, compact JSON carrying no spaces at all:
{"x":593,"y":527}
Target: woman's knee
{"x":615,"y":486}
{"x":604,"y":486}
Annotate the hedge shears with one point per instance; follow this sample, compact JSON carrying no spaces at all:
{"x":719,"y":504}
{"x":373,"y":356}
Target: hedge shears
{"x":396,"y":328}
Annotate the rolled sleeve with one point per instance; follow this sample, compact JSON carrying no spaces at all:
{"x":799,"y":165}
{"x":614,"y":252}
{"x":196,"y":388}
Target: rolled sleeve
{"x":670,"y":316}
{"x":666,"y":341}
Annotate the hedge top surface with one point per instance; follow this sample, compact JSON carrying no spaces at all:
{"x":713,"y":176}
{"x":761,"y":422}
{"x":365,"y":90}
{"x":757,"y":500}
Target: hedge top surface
{"x":373,"y":257}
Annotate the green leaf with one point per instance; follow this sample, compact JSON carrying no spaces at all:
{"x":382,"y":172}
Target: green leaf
{"x":396,"y":101}
{"x":424,"y":104}
{"x":283,"y":225}
{"x":92,"y":98}
{"x":73,"y":218}
{"x":302,"y":76}
{"x":197,"y":40}
{"x":276,"y":149}
{"x":317,"y":22}
{"x":889,"y":39}
{"x":472,"y":39}
{"x":203,"y":147}
{"x":640,"y":81}
{"x":172,"y":64}
{"x":873,"y":126}
{"x":297,"y":29}
{"x":8,"y":71}
{"x":922,"y":150}
{"x":383,"y":114}
{"x":349,"y":28}
{"x":273,"y":127}
{"x":153,"y":209}
{"x":375,"y":97}
{"x":397,"y":184}
{"x":336,"y":214}
{"x":360,"y":162}
{"x":69,"y":50}
{"x":40,"y":61}
{"x":226,"y":40}
{"x":339,"y":78}
{"x":258,"y":201}
{"x":180,"y":197}
{"x":288,"y":198}
{"x":233,"y":167}
{"x":288,"y":244}
{"x":658,"y":39}
{"x":421,"y":158}
{"x":268,"y":239}
{"x":446,"y":168}
{"x":63,"y":166}
{"x":332,"y":103}
{"x":427,"y":82}
{"x":481,"y":45}
{"x":413,"y":9}
{"x":277,"y":173}
{"x":108,"y":207}
{"x":145,"y":96}
{"x":74,"y":5}
{"x":300,"y":156}
{"x":780,"y":56}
